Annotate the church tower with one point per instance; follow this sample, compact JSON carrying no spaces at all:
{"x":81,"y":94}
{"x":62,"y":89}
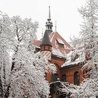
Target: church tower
{"x":49,"y":24}
{"x":46,"y":46}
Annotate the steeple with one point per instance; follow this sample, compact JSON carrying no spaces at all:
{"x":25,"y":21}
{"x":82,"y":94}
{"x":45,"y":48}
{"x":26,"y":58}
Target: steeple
{"x":49,"y":24}
{"x":46,"y":40}
{"x":46,"y":46}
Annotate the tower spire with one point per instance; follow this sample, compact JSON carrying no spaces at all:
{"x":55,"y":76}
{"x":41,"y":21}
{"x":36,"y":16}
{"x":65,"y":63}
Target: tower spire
{"x":49,"y":14}
{"x":49,"y":24}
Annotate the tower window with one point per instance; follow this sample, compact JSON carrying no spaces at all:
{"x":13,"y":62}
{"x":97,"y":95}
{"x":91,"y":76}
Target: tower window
{"x":46,"y":47}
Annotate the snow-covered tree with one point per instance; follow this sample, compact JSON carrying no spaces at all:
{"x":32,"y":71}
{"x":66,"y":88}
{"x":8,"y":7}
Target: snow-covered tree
{"x":28,"y":76}
{"x":22,"y":71}
{"x":89,"y":39}
{"x":5,"y":64}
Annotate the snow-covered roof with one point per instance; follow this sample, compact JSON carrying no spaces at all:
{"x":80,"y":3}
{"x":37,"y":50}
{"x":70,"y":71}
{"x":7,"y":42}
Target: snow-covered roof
{"x":56,"y":49}
{"x":58,"y":52}
{"x":71,"y":60}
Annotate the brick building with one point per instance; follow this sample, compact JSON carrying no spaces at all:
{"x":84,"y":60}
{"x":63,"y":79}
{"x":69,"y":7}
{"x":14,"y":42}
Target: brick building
{"x":59,"y":52}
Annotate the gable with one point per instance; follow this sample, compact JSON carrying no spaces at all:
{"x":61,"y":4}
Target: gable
{"x":55,"y":36}
{"x":60,"y":47}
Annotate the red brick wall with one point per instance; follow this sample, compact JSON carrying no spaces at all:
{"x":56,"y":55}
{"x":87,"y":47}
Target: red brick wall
{"x":58,"y":62}
{"x":69,"y":72}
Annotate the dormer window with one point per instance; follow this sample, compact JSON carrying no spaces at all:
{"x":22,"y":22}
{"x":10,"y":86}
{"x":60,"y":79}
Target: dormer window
{"x":60,"y":43}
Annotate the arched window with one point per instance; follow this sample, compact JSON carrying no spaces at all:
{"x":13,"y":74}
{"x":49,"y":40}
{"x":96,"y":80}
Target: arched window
{"x":54,"y":77}
{"x":63,"y":78}
{"x":76,"y":78}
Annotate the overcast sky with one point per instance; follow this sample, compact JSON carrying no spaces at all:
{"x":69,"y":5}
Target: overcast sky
{"x":65,"y":12}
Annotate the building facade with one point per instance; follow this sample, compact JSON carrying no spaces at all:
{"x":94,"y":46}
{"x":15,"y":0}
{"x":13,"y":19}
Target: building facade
{"x":58,"y":51}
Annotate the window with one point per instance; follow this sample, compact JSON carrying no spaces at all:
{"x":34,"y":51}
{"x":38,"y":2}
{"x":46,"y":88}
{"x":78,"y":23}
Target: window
{"x":63,"y":78}
{"x":54,"y":77}
{"x":60,"y":43}
{"x":43,"y":47}
{"x":46,"y":47}
{"x":76,"y":78}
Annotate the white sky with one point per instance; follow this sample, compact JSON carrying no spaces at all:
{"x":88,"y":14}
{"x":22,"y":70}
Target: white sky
{"x":63,"y":11}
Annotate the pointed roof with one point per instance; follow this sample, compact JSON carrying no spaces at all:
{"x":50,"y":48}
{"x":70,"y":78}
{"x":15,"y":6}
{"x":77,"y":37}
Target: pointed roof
{"x":46,"y":39}
{"x":55,"y":39}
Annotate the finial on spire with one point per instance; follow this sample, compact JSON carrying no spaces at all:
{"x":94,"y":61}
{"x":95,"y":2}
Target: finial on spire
{"x":55,"y":26}
{"x":49,"y":14}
